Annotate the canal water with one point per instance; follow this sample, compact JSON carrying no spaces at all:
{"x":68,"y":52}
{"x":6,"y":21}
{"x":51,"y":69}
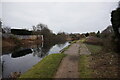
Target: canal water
{"x":23,"y":58}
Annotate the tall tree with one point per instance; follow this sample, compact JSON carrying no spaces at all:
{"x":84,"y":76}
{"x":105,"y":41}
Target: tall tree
{"x":119,"y":4}
{"x":87,"y":34}
{"x":115,"y":19}
{"x":98,"y":34}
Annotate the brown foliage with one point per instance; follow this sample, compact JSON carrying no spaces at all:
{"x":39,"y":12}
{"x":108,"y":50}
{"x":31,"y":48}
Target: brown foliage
{"x":94,"y":40}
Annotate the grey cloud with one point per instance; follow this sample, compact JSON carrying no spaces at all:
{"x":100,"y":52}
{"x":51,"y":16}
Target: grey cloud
{"x":68,"y":17}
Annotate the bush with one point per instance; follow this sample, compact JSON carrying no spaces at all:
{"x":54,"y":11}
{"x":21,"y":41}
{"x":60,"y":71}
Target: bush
{"x":93,"y":40}
{"x":14,"y":39}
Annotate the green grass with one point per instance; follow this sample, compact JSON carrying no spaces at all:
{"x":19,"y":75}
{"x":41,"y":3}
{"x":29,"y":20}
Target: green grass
{"x":64,"y":49}
{"x":94,"y":48}
{"x":46,"y":68}
{"x":82,"y":40}
{"x":74,"y":41}
{"x":84,"y":70}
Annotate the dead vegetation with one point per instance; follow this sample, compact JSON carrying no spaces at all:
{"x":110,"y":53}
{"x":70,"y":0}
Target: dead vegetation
{"x":93,"y":40}
{"x":104,"y":64}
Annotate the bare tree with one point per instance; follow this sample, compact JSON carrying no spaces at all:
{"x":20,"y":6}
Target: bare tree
{"x":40,"y":26}
{"x":34,"y":28}
{"x":7,"y":29}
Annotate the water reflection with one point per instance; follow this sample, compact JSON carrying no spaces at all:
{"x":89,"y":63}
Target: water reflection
{"x":40,"y":51}
{"x":21,"y":53}
{"x":23,"y":58}
{"x":8,"y":50}
{"x":61,"y":45}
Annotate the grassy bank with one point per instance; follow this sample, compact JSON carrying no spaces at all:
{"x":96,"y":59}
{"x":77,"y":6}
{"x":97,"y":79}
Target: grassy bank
{"x":46,"y":68}
{"x":103,"y":64}
{"x":85,"y":60}
{"x":84,"y":69}
{"x":94,"y":48}
{"x":74,"y":41}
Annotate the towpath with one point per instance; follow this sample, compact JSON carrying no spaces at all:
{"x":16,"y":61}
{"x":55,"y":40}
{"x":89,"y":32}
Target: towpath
{"x":69,"y":65}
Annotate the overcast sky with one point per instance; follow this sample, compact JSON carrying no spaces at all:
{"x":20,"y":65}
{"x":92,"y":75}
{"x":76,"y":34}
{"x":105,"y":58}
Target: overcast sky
{"x":71,"y":17}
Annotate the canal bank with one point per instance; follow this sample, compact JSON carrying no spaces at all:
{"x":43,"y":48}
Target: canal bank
{"x":46,"y":68}
{"x":65,"y":65}
{"x":15,"y":62}
{"x":71,"y":63}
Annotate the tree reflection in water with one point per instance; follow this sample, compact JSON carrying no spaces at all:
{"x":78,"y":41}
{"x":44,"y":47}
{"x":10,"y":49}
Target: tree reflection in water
{"x":42,"y":51}
{"x":37,"y":50}
{"x":29,"y":56}
{"x":21,"y":53}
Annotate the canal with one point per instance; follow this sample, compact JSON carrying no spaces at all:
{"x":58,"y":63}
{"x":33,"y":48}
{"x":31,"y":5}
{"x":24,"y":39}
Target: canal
{"x":23,"y":58}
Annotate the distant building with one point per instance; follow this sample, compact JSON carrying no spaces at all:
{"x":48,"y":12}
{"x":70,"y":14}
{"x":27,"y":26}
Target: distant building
{"x":30,"y":37}
{"x":25,"y":34}
{"x":108,"y":30}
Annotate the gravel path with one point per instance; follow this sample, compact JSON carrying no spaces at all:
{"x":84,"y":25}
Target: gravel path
{"x":69,"y":65}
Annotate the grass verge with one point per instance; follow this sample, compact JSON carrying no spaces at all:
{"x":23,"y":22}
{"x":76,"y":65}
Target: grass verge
{"x":85,"y":71}
{"x":94,"y":48}
{"x":83,"y":40}
{"x":64,"y":49}
{"x":46,"y":68}
{"x":102,"y":63}
{"x":74,"y":41}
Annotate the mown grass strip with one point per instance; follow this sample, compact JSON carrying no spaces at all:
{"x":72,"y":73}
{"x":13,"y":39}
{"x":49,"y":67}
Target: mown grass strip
{"x":46,"y":68}
{"x":85,"y":71}
{"x":84,"y":60}
{"x":82,"y":40}
{"x":94,"y":48}
{"x":74,"y":41}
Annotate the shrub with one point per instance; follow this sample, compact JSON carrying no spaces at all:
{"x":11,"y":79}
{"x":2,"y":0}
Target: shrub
{"x":94,"y":40}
